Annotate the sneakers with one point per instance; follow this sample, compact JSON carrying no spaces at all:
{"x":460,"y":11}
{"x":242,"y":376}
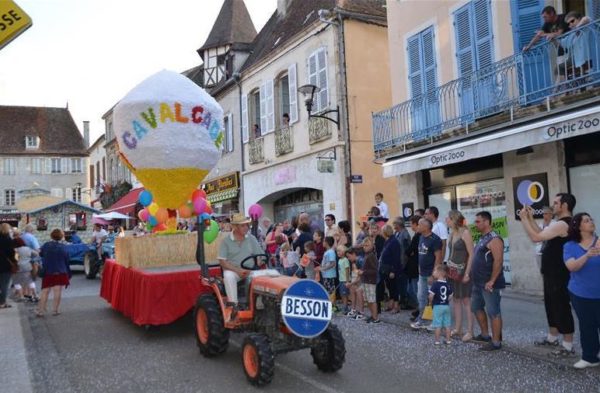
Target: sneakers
{"x":418,"y":325}
{"x":563,"y":353}
{"x":490,"y":346}
{"x":546,"y":343}
{"x":358,"y":317}
{"x":448,"y":342}
{"x":582,"y":364}
{"x":414,"y":315}
{"x":372,"y":320}
{"x":482,"y":339}
{"x":467,"y":337}
{"x":351,"y":313}
{"x":437,"y":343}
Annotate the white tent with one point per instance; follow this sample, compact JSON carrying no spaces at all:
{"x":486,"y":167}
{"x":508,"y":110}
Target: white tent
{"x":112,"y":216}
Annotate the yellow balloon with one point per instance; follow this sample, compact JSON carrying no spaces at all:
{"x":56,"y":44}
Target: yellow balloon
{"x":153,"y":208}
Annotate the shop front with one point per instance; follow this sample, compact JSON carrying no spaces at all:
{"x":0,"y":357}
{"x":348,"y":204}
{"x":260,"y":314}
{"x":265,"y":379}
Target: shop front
{"x":583,"y":164}
{"x":223,"y":194}
{"x":10,"y":217}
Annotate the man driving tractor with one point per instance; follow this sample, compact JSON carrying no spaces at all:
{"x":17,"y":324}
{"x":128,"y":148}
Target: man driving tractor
{"x":232,"y":251}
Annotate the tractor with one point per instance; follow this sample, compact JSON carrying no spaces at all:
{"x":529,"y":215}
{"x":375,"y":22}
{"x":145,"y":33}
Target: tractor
{"x":260,"y":299}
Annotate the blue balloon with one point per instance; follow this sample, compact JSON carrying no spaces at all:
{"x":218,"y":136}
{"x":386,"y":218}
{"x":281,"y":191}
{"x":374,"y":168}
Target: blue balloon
{"x":205,"y":216}
{"x":145,"y":198}
{"x":153,"y":221}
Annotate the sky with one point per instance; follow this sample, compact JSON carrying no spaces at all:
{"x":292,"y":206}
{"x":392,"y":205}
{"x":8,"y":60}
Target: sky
{"x":90,"y":53}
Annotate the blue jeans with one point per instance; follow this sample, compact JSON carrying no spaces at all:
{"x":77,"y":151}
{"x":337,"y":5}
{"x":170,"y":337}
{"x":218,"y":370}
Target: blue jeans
{"x":423,"y":294}
{"x":4,"y":282}
{"x":588,"y":314}
{"x":290,"y":271}
{"x":482,"y":300}
{"x":412,"y":291}
{"x":402,"y":282}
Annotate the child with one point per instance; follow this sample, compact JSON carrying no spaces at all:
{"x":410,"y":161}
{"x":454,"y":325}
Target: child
{"x":344,"y":277}
{"x":356,"y":293}
{"x":369,"y":278}
{"x":439,"y":295}
{"x":328,"y":266}
{"x":307,"y":267}
{"x":289,"y":259}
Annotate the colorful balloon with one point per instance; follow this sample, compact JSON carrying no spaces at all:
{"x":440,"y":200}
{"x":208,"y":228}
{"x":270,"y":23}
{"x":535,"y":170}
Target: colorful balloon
{"x":212,"y":232}
{"x":153,"y":208}
{"x":152,"y":221}
{"x":199,"y":205}
{"x":144,"y":214}
{"x":185,"y":211}
{"x":159,"y":228}
{"x":205,"y":216}
{"x":198,"y":194}
{"x":145,"y":198}
{"x":255,"y":211}
{"x":162,"y":215}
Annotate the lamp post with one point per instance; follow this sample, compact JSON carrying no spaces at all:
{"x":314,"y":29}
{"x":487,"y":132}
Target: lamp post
{"x":309,"y":91}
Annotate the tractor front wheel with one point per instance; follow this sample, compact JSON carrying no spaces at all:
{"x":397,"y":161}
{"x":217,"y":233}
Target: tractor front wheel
{"x":329,"y":355}
{"x":258,"y":359}
{"x":90,"y":265}
{"x":211,"y":335}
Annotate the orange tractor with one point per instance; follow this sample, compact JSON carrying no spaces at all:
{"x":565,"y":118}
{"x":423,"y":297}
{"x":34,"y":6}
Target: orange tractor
{"x":261,"y":296}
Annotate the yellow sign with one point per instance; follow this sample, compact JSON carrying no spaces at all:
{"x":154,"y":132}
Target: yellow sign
{"x":13,"y":21}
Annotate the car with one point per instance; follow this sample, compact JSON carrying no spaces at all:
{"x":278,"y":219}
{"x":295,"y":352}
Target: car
{"x":85,"y":254}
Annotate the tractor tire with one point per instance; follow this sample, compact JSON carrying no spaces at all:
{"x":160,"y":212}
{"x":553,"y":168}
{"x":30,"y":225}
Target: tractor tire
{"x":258,"y":359}
{"x":330,"y":357}
{"x":90,"y":265}
{"x":211,"y":336}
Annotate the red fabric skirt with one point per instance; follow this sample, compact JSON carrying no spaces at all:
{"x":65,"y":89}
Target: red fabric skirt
{"x":52,"y":280}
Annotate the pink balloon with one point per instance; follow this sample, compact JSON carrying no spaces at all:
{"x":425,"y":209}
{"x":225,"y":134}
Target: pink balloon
{"x":255,"y":211}
{"x":199,"y":205}
{"x":144,"y":215}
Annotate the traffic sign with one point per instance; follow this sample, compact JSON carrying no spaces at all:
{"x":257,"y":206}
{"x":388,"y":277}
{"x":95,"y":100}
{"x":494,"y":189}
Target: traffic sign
{"x":357,"y":179}
{"x":13,"y":21}
{"x":306,"y":309}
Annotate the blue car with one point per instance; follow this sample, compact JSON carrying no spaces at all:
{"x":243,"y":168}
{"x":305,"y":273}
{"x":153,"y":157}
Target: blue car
{"x":86,"y":255}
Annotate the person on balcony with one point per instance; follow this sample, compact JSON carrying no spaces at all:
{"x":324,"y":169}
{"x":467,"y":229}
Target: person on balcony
{"x":285,"y":120}
{"x":577,"y":44}
{"x":256,"y":130}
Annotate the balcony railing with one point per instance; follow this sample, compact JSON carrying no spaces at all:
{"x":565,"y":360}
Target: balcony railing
{"x":318,"y":130}
{"x":284,"y":141}
{"x":256,"y":150}
{"x":564,"y":66}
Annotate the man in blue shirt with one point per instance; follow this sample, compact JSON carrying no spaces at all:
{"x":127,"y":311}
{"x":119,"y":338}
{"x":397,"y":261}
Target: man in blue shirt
{"x":430,"y":255}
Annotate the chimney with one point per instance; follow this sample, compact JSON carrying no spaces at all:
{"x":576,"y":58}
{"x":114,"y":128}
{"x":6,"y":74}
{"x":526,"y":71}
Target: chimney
{"x":86,"y":133}
{"x":282,"y":6}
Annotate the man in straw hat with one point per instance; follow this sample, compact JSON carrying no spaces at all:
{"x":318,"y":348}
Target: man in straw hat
{"x":233,"y":250}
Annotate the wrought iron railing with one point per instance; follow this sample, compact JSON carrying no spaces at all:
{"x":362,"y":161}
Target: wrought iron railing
{"x":565,"y":65}
{"x":318,"y":130}
{"x":284,"y":141}
{"x":256,"y":150}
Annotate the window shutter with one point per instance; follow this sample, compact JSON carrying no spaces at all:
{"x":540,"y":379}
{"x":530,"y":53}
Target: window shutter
{"x":482,"y":10}
{"x":270,"y":106}
{"x":593,"y":9}
{"x":263,"y":109}
{"x":48,"y":165}
{"x":313,"y":79}
{"x":65,"y":165}
{"x":429,"y":63}
{"x":293,"y":90}
{"x":245,"y":118}
{"x":69,"y":193}
{"x":526,"y":20}
{"x":323,"y":81}
{"x":464,"y":42}
{"x":414,"y":67}
{"x":229,"y":131}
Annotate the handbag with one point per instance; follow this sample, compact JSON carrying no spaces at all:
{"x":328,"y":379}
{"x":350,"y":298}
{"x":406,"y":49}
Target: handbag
{"x":427,"y":313}
{"x":456,"y":272}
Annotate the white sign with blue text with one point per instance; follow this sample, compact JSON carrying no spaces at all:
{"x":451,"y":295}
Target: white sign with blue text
{"x":306,"y":309}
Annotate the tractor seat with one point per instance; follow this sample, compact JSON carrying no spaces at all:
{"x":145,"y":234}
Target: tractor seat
{"x":243,"y":286}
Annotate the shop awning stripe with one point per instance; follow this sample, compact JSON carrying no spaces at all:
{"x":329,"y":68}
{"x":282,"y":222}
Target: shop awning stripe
{"x":222,"y":195}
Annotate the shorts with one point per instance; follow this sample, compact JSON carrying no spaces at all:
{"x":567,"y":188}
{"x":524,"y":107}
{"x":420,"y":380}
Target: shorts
{"x":343,"y":289}
{"x":329,"y":284}
{"x":370,"y":292}
{"x":441,"y":316}
{"x":557,"y":303}
{"x":461,"y":290}
{"x":22,"y":278}
{"x":482,"y":300}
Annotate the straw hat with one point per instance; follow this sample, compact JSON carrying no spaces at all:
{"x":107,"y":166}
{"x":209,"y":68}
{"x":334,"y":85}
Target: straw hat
{"x":239,"y":218}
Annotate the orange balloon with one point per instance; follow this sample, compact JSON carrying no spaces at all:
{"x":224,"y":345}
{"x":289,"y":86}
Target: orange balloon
{"x":159,"y":228}
{"x":185,"y":211}
{"x":198,"y":194}
{"x":162,"y":215}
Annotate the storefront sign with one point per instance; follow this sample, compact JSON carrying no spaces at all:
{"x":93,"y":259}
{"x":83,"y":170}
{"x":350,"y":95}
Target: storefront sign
{"x":223,"y":183}
{"x":571,"y":128}
{"x":446,"y":158}
{"x":408,"y":210}
{"x":356,"y":179}
{"x":285,"y":175}
{"x":9,"y":217}
{"x":531,"y":191}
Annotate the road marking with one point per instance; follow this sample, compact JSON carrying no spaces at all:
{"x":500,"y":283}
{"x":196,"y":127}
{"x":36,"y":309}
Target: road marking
{"x":298,"y":374}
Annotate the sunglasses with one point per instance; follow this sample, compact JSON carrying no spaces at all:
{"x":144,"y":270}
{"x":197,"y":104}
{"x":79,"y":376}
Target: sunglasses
{"x":571,"y":21}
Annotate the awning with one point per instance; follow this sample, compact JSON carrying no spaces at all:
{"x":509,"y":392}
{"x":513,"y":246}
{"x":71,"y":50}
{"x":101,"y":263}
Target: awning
{"x":126,"y":205}
{"x":222,"y":195}
{"x":553,"y":129}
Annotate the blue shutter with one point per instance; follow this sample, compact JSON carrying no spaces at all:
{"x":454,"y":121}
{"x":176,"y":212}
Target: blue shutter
{"x":465,"y":59}
{"x":430,"y":81}
{"x":485,"y":82}
{"x":414,"y":67}
{"x":482,"y":11}
{"x":526,"y":20}
{"x":593,"y":9}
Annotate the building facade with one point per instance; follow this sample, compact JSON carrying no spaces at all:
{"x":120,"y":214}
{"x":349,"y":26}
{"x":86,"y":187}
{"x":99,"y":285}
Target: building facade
{"x":478,"y":123}
{"x":40,"y":148}
{"x":96,"y":170}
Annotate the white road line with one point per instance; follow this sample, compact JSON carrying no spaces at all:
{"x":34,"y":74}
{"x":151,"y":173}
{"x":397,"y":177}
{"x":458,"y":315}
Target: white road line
{"x":298,"y":374}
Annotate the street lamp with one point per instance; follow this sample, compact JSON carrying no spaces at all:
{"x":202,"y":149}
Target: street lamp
{"x":309,"y":91}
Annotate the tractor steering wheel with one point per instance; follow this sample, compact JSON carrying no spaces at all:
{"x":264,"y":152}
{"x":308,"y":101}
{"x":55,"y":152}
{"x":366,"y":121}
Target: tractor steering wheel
{"x":254,"y":258}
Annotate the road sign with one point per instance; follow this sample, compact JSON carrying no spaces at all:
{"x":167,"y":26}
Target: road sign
{"x":306,"y":309}
{"x":13,"y":21}
{"x":357,"y":179}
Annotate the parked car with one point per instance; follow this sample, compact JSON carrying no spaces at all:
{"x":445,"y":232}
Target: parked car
{"x":86,"y":255}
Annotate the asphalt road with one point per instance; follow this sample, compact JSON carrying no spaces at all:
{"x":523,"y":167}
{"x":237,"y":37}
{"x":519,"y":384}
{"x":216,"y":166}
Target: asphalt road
{"x":92,"y":348}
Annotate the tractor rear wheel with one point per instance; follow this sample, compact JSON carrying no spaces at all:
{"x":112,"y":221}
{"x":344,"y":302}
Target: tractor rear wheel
{"x":211,"y":335}
{"x":258,"y":359}
{"x":329,"y":356}
{"x":90,"y":265}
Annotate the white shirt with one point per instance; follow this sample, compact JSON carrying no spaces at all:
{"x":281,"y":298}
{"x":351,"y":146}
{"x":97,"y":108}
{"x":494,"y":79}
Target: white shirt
{"x":99,"y":235}
{"x":440,"y":229}
{"x":383,"y":209}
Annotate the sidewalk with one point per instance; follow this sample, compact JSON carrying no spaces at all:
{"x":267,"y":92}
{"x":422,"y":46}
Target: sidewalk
{"x":15,"y":375}
{"x":524,"y":320}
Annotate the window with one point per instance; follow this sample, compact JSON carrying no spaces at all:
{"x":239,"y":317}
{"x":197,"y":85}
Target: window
{"x":9,"y":197}
{"x":76,"y":165}
{"x":317,"y":75}
{"x":9,"y":166}
{"x":56,"y":165}
{"x":56,"y":192}
{"x":254,"y":107}
{"x":228,"y":125}
{"x":36,"y":166}
{"x":76,"y":194}
{"x":98,"y":178}
{"x":92,"y":174}
{"x":103,"y":169}
{"x":32,"y":142}
{"x":283,"y":93}
{"x":293,"y":94}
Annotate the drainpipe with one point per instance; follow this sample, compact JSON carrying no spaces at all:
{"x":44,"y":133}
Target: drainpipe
{"x":237,"y":77}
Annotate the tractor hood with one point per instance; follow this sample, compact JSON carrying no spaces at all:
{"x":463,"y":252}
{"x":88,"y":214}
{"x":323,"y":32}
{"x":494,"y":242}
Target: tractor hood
{"x":272,"y":285}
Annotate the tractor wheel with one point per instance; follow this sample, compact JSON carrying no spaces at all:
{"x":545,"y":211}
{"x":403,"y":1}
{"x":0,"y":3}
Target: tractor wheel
{"x":211,"y":335}
{"x":330,"y":356}
{"x":258,"y":359}
{"x":90,"y":265}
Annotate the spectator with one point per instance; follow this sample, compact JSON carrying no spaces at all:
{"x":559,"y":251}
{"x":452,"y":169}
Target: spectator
{"x":577,"y":44}
{"x":390,"y":267}
{"x":99,"y":235}
{"x":256,"y":131}
{"x":488,"y":279}
{"x":344,"y":277}
{"x":381,"y":205}
{"x":29,"y":238}
{"x":363,"y":232}
{"x":554,"y":272}
{"x":22,"y":279}
{"x":369,"y":279}
{"x":419,"y":212}
{"x":328,"y":268}
{"x":55,"y":259}
{"x":288,"y":229}
{"x":303,"y":237}
{"x":75,"y":239}
{"x":459,"y":267}
{"x":345,"y":236}
{"x":285,"y":120}
{"x":582,"y":257}
{"x":379,"y":242}
{"x":439,"y":296}
{"x":7,"y":260}
{"x":403,"y":237}
{"x":548,"y":216}
{"x":307,"y":261}
{"x":439,"y":228}
{"x":412,"y":267}
{"x":273,"y":240}
{"x":356,"y":292}
{"x":554,"y":25}
{"x":289,"y":259}
{"x":330,"y":228}
{"x":430,"y":255}
{"x":319,"y":246}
